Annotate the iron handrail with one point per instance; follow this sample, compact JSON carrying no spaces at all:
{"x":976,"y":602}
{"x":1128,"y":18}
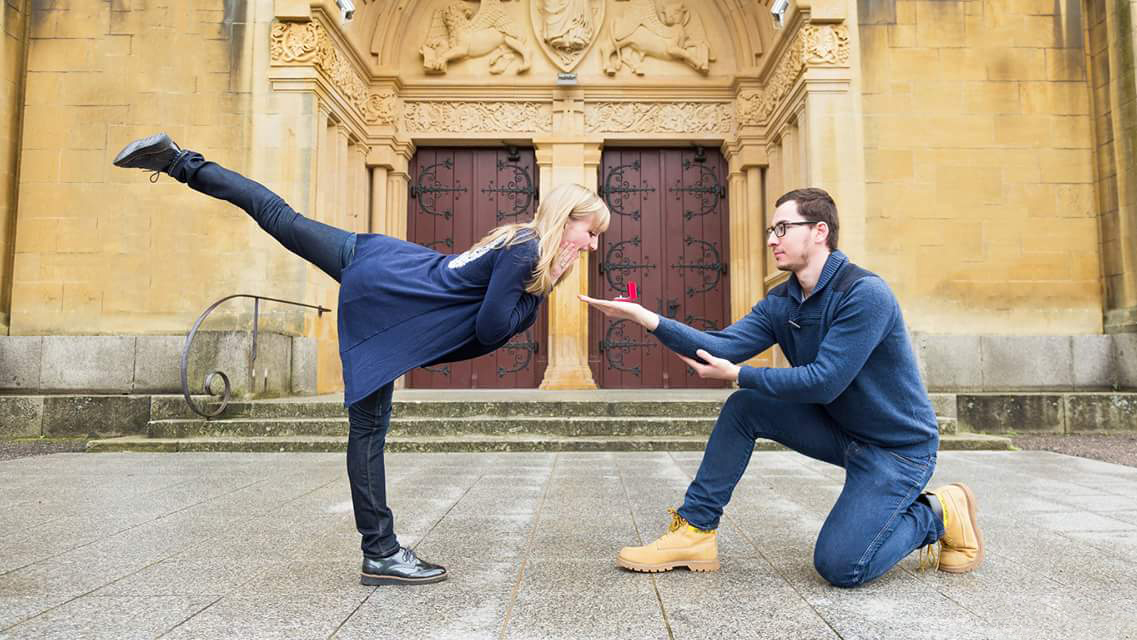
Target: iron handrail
{"x":207,"y":387}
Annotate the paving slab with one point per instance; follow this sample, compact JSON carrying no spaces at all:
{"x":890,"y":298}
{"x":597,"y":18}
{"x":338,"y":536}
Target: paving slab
{"x":227,"y":545}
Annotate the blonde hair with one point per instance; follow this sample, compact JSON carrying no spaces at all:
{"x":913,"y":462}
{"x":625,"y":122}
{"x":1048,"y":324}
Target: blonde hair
{"x":565,"y":202}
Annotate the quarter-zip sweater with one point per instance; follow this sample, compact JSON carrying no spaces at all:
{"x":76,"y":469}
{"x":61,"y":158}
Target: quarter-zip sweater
{"x":849,"y":352}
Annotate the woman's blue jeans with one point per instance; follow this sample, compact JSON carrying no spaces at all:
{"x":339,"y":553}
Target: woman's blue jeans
{"x":331,"y":250}
{"x":877,"y":519}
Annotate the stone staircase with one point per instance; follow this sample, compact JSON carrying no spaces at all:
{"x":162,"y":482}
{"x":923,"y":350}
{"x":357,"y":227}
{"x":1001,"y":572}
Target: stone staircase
{"x":484,"y":420}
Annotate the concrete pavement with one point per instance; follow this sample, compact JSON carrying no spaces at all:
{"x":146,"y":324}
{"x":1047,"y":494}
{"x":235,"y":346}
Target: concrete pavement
{"x":263,"y":546}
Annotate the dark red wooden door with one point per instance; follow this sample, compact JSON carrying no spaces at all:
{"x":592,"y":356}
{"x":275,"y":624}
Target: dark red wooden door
{"x":669,"y":234}
{"x":456,"y":196}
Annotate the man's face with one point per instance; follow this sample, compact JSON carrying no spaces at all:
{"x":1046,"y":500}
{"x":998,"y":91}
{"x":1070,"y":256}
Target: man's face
{"x":793,"y":251}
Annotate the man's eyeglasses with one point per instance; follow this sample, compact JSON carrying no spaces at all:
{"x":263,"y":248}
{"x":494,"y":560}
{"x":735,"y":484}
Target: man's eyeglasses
{"x":779,"y":230}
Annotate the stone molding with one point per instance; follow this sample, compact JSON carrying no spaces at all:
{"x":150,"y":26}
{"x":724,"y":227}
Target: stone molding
{"x":712,"y":118}
{"x":477,"y":116}
{"x":308,"y":43}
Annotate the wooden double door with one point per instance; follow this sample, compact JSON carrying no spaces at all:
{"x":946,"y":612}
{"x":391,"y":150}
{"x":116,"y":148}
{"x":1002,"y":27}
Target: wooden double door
{"x":456,"y":196}
{"x":669,"y":234}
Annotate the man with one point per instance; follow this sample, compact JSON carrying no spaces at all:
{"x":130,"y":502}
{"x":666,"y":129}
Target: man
{"x":852,"y":397}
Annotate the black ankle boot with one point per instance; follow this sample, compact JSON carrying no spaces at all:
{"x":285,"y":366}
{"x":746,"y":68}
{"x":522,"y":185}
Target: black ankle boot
{"x":157,"y":153}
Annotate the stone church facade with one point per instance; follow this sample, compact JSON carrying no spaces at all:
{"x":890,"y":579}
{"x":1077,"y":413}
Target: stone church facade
{"x":980,"y":152}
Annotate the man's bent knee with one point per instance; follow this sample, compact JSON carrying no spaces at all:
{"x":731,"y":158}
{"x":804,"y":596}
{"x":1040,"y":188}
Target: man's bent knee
{"x":838,"y":571}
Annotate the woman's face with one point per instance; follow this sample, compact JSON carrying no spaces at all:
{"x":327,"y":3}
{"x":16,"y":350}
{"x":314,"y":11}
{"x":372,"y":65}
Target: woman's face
{"x":581,"y":234}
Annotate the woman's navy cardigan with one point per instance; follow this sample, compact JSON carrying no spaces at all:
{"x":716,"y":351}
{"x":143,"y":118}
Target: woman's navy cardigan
{"x":403,"y":306}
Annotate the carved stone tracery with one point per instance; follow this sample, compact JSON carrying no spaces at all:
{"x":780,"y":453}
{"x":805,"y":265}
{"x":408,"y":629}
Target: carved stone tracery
{"x":477,"y":117}
{"x":662,"y":117}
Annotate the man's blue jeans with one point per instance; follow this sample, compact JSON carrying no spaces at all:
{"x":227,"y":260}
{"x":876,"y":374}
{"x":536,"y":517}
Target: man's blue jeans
{"x":331,"y":250}
{"x":877,"y":519}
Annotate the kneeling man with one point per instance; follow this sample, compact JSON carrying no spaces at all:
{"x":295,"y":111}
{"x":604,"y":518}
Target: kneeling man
{"x":852,"y":397}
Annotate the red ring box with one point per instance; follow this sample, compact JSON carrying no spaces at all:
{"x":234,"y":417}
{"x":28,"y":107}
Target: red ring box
{"x":632,"y":293}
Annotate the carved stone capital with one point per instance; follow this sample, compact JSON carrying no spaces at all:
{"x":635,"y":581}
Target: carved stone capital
{"x":825,"y":44}
{"x":477,"y":117}
{"x":308,"y":43}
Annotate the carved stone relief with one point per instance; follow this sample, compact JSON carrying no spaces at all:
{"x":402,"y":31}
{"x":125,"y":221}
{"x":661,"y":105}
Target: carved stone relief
{"x":309,"y":43}
{"x":461,"y":30}
{"x":826,"y":44}
{"x":477,"y":117}
{"x":660,"y":117}
{"x":566,"y":29}
{"x":671,"y":31}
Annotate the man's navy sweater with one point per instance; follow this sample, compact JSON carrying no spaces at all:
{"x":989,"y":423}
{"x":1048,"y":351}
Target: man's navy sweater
{"x":849,"y":353}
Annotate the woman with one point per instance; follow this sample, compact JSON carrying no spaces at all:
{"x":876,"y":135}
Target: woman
{"x":402,"y":306}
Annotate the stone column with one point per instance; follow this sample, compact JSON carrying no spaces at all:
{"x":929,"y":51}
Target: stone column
{"x":389,"y":187}
{"x":745,"y":159}
{"x":377,"y":215}
{"x":1119,"y":230}
{"x":360,"y":188}
{"x":564,"y":160}
{"x":341,"y":180}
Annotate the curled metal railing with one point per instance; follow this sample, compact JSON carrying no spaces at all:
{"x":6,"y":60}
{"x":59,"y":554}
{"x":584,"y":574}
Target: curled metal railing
{"x":207,"y":387}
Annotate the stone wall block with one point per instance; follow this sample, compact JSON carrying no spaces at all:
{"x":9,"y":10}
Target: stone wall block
{"x":20,"y":358}
{"x":1101,"y":412}
{"x":272,"y":370}
{"x":1095,"y":364}
{"x":1027,"y":362}
{"x":1011,"y":413}
{"x":1125,"y":353}
{"x":102,"y":416}
{"x":157,"y":364}
{"x":87,"y":363}
{"x":303,"y":365}
{"x":21,"y":416}
{"x":951,"y":362}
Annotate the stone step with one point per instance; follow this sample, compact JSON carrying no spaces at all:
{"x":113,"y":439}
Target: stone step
{"x":473,"y":442}
{"x":174,"y":408}
{"x":490,"y":425}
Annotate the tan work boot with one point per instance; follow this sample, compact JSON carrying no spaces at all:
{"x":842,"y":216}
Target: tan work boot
{"x":682,"y":545}
{"x":961,"y":548}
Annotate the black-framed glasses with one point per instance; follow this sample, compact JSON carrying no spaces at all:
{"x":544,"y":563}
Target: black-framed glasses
{"x":779,"y":230}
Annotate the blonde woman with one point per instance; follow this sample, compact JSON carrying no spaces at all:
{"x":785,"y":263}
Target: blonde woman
{"x":402,"y":306}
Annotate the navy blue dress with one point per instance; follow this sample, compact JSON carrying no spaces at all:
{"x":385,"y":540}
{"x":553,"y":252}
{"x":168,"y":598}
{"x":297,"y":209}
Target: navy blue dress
{"x":402,"y":306}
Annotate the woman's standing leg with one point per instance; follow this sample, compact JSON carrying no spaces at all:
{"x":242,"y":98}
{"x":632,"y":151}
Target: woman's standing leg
{"x":327,"y":247}
{"x":384,"y":561}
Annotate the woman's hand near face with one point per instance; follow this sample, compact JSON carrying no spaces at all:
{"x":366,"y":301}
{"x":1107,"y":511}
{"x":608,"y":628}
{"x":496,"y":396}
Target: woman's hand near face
{"x":564,"y":260}
{"x":624,"y":311}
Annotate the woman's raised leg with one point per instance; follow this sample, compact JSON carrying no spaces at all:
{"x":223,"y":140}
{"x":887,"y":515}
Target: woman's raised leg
{"x":327,"y":247}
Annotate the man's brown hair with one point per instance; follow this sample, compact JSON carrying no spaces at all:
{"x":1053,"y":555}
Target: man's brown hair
{"x":815,"y":205}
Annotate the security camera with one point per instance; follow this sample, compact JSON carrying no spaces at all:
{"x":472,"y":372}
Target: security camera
{"x":778,"y":8}
{"x":347,"y":8}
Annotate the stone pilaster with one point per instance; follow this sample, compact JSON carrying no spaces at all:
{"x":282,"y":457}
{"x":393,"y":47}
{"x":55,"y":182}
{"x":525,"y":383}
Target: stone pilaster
{"x":564,"y":160}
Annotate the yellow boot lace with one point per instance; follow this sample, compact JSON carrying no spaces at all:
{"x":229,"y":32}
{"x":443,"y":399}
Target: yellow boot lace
{"x":930,"y":556}
{"x":678,"y":521}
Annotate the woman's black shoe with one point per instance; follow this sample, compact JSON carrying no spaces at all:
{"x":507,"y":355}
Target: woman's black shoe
{"x":156,"y":153}
{"x":401,"y":567}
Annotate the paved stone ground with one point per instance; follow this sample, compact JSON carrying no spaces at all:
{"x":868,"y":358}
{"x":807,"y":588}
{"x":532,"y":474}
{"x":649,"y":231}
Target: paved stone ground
{"x":263,"y":546}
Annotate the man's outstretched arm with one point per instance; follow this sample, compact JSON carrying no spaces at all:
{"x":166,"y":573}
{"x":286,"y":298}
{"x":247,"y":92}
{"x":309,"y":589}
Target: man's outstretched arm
{"x":740,"y":341}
